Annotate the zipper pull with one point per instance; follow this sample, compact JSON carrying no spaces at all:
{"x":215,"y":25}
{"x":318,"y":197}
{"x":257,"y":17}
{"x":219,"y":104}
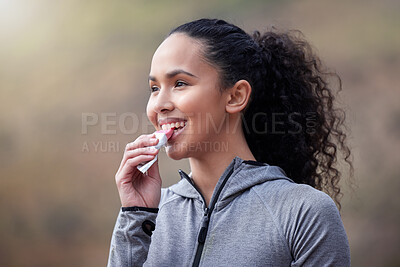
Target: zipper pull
{"x":204,"y":227}
{"x":203,"y":231}
{"x":206,"y":211}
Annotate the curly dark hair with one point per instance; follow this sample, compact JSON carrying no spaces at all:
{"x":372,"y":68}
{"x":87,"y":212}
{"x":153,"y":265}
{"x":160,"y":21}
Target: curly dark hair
{"x":291,"y":120}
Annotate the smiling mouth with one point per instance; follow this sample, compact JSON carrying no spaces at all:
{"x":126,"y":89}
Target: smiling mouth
{"x":174,"y":125}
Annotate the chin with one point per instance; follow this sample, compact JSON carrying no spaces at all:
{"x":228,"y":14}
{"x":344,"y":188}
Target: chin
{"x":176,"y":153}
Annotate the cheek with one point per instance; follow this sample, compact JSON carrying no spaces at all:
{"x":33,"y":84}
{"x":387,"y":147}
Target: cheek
{"x":206,"y":111}
{"x":198,"y":102}
{"x":151,"y":115}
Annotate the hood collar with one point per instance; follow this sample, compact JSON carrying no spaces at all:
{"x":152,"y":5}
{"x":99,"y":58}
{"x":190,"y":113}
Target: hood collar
{"x":243,"y":175}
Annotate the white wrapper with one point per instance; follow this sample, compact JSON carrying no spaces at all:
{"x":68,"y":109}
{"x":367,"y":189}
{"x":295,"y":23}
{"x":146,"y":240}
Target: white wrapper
{"x":162,"y":141}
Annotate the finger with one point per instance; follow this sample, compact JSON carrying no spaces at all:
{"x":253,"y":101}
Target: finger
{"x":130,"y":167}
{"x":154,"y":171}
{"x":137,"y":152}
{"x":142,"y":141}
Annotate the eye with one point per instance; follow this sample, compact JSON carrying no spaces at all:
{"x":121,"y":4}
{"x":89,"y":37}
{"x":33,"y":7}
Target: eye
{"x":180,"y":84}
{"x":154,"y":88}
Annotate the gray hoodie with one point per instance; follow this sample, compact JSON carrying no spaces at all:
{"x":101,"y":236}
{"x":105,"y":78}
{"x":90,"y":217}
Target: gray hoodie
{"x":257,"y":217}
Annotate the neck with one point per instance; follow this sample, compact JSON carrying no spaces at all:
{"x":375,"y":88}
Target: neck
{"x":208,"y":167}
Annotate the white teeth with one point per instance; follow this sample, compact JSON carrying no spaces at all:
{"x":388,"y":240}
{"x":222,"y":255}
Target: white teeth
{"x":174,"y":125}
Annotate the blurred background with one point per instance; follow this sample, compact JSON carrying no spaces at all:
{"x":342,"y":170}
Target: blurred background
{"x":73,"y":92}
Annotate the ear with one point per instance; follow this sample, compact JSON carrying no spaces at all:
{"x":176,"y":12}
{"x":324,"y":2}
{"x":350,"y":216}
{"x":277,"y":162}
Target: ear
{"x":238,"y":97}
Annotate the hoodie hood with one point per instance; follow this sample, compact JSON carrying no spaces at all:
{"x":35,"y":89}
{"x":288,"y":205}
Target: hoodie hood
{"x":239,"y":176}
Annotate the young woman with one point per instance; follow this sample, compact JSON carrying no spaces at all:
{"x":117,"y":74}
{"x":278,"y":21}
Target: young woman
{"x":255,"y":117}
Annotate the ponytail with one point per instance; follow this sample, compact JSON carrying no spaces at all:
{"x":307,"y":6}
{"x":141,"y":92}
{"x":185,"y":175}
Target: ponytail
{"x":294,"y":98}
{"x":291,"y":120}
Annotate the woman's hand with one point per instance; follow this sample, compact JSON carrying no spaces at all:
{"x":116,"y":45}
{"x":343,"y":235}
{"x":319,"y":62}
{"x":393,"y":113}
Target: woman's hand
{"x":134,"y":187}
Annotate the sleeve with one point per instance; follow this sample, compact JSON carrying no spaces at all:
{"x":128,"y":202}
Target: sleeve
{"x":132,"y":236}
{"x":319,"y":237}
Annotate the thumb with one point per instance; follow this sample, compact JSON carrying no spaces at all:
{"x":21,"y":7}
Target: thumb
{"x":154,"y":171}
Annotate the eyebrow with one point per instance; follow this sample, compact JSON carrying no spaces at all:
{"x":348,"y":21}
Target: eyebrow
{"x":172,"y":74}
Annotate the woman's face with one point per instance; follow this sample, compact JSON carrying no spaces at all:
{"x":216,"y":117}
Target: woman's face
{"x":186,"y":96}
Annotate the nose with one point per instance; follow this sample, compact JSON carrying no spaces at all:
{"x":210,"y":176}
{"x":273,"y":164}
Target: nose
{"x":163,"y":102}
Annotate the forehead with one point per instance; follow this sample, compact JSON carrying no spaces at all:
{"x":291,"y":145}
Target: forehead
{"x":178,"y":51}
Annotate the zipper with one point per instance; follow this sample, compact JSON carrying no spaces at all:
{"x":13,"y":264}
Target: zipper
{"x":206,"y":218}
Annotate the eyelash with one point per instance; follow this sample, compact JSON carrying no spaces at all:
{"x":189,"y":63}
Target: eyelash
{"x":155,"y":88}
{"x":182,"y":82}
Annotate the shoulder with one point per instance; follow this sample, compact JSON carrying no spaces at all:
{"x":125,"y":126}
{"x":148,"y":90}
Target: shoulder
{"x":309,"y":221}
{"x":293,"y":204}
